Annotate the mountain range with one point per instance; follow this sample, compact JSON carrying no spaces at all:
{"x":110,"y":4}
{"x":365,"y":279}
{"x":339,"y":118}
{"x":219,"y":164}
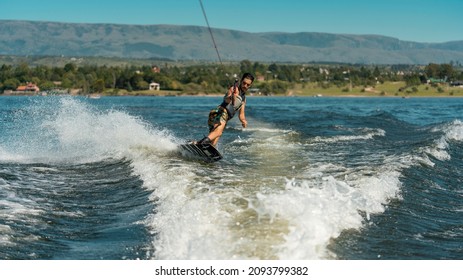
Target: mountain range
{"x":175,"y":42}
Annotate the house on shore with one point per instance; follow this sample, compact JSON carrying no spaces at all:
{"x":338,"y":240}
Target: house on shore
{"x":155,"y":86}
{"x":155,"y":69}
{"x":30,"y":87}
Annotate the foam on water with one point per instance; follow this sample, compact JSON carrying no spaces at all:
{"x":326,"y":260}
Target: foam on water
{"x":322,"y":199}
{"x":451,"y":132}
{"x":319,"y":211}
{"x":14,"y":208}
{"x":67,"y":129}
{"x":189,"y":222}
{"x":362,"y":134}
{"x":288,"y":199}
{"x":283,"y":205}
{"x":325,"y":199}
{"x":454,"y":130}
{"x":7,"y":156}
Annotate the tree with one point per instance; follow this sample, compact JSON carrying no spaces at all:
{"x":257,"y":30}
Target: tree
{"x":11,"y":84}
{"x":376,"y":72}
{"x":273,"y":68}
{"x":22,"y":72}
{"x":246,"y":66}
{"x":47,"y":85}
{"x":274,"y":87}
{"x":432,"y":70}
{"x":70,"y":67}
{"x":412,"y":80}
{"x":446,"y":71}
{"x":98,"y":86}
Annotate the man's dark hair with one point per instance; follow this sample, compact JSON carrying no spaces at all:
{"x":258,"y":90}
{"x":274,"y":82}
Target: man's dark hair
{"x":247,"y":76}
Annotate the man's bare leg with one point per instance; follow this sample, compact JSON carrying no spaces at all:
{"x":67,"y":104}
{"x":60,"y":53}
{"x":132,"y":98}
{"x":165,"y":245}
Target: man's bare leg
{"x":214,"y":135}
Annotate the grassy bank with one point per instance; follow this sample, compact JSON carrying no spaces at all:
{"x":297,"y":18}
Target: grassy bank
{"x":388,"y":89}
{"x":380,"y":90}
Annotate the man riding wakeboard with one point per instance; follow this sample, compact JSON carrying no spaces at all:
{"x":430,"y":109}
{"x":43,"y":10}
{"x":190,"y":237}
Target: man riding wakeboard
{"x":234,"y":101}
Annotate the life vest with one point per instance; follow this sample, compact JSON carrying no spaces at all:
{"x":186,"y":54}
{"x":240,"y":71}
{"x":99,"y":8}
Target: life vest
{"x":234,"y":106}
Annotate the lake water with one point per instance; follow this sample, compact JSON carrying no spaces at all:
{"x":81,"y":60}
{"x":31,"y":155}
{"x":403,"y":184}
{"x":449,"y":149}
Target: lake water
{"x":310,"y":178}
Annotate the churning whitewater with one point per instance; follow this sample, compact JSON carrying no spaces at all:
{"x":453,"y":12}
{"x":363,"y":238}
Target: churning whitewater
{"x":309,"y":179}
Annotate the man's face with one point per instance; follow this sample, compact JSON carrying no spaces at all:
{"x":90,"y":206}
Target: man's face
{"x":246,"y":84}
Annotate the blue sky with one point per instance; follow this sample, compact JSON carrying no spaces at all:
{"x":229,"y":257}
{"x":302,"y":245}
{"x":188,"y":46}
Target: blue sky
{"x":410,"y":20}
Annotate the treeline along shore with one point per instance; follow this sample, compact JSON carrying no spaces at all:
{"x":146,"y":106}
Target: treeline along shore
{"x":83,"y":76}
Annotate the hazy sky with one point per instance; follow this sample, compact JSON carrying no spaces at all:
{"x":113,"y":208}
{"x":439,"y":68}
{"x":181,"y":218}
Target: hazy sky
{"x":410,"y":20}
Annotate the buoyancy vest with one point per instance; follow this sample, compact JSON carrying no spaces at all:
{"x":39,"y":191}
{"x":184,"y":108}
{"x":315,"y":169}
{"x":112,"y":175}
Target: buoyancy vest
{"x":234,"y":106}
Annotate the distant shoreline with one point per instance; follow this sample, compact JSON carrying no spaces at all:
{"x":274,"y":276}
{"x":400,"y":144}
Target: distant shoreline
{"x":260,"y":96}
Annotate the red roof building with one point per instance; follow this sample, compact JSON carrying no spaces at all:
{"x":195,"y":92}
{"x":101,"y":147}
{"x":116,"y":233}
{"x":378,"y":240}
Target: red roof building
{"x":29,"y":87}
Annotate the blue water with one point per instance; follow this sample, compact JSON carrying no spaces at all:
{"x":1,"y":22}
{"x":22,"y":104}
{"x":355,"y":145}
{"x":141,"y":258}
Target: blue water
{"x":310,"y":178}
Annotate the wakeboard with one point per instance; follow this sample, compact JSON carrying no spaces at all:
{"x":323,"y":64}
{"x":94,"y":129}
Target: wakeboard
{"x":204,"y":152}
